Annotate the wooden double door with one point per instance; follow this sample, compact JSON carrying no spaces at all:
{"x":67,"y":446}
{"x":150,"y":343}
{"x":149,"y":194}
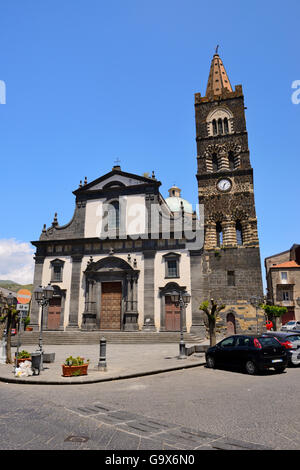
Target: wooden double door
{"x":172,"y":315}
{"x":54,"y":312}
{"x":111,"y":306}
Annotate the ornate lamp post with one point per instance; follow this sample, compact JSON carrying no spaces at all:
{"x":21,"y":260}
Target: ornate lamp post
{"x":43,"y":295}
{"x":182,"y":300}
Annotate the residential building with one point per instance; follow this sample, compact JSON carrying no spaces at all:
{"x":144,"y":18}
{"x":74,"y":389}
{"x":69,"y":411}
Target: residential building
{"x":283,"y":281}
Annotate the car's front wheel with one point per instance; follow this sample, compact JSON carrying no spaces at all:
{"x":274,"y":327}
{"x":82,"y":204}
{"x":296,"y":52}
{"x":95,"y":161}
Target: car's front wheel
{"x":251,"y":368}
{"x":210,"y":362}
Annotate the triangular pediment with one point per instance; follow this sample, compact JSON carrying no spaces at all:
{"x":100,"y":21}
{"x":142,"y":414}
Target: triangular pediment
{"x":116,"y":179}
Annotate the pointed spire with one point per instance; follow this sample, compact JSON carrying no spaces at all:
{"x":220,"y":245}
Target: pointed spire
{"x":218,"y":81}
{"x":55,"y":222}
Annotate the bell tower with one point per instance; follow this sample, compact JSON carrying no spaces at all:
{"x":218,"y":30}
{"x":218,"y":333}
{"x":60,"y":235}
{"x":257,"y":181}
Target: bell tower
{"x":225,"y":187}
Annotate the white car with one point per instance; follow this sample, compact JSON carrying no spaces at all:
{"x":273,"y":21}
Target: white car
{"x":291,"y":325}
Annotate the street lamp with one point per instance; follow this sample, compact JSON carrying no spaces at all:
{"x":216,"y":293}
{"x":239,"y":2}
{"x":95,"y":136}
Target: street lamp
{"x":181,"y":299}
{"x":10,"y":300}
{"x":43,"y":295}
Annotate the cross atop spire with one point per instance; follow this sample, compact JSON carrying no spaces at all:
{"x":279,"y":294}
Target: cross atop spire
{"x":117,"y":164}
{"x":218,"y":81}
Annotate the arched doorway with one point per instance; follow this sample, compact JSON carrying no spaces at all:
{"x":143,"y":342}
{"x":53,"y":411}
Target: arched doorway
{"x":230,"y":324}
{"x":172,"y":315}
{"x":170,"y":312}
{"x":111,"y":301}
{"x":111,"y":306}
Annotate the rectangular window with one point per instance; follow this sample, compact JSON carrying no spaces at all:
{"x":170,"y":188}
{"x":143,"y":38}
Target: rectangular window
{"x":172,"y":268}
{"x":230,"y":278}
{"x":285,"y":295}
{"x":57,"y":273}
{"x":283,"y":276}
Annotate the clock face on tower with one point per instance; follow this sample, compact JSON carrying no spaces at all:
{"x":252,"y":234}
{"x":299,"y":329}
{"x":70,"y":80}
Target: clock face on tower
{"x":224,"y":184}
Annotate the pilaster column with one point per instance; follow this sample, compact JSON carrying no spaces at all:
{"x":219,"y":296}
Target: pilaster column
{"x":199,"y":291}
{"x":223,"y":160}
{"x":134,"y":297}
{"x":131,"y":313}
{"x":254,"y":234}
{"x":210,"y":236}
{"x":35,"y":309}
{"x":208,"y":163}
{"x":74,"y":293}
{"x":129,"y":294}
{"x":247,"y":232}
{"x":149,"y":257}
{"x":229,"y":233}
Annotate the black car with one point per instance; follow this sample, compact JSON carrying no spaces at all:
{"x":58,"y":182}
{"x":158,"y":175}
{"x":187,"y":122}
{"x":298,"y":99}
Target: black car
{"x":255,"y":353}
{"x":291,"y":341}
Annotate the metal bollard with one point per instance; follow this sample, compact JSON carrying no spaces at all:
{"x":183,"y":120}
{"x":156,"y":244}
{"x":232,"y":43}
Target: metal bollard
{"x":102,"y":360}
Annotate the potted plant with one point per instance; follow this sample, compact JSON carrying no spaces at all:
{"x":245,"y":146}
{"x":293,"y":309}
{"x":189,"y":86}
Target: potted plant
{"x":75,"y":366}
{"x":23,"y":356}
{"x":26,"y":323}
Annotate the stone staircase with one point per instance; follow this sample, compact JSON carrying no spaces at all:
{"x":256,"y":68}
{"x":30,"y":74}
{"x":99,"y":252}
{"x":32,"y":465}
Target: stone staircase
{"x":93,"y":337}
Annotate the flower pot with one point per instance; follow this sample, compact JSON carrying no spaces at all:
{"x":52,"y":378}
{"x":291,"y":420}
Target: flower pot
{"x":74,"y":371}
{"x":28,"y":328}
{"x":22,"y":359}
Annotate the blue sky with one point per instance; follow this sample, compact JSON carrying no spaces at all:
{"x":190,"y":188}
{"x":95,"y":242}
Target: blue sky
{"x":88,"y":82}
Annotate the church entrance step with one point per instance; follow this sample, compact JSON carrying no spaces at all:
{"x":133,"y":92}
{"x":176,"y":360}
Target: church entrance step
{"x":93,"y":337}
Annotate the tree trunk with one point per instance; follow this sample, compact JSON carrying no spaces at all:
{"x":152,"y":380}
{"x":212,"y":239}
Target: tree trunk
{"x":8,"y":340}
{"x":278,"y":323}
{"x":212,"y":331}
{"x":2,"y":328}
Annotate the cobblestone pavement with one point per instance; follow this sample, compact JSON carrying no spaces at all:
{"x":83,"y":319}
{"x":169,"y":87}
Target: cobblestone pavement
{"x":101,"y":427}
{"x":143,"y":432}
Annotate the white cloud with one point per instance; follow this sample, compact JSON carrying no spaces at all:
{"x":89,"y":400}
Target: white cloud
{"x":16,"y":261}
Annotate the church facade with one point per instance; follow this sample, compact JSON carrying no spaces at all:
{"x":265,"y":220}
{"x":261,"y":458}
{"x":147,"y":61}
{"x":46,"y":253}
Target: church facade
{"x":115,"y":265}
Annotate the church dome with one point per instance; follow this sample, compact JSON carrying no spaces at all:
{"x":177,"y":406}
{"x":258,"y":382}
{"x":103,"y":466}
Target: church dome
{"x":175,"y":201}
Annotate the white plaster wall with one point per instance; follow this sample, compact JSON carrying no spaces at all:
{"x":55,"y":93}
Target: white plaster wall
{"x":93,"y":218}
{"x":64,"y":284}
{"x":135,"y":215}
{"x":161,"y":281}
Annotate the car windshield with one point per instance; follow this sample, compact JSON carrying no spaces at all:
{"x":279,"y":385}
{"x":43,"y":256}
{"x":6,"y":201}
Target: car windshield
{"x":291,"y":323}
{"x":264,"y":341}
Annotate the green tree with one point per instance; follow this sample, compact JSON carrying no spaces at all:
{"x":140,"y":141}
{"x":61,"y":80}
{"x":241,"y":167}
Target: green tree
{"x":274,"y":313}
{"x":212,"y":311}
